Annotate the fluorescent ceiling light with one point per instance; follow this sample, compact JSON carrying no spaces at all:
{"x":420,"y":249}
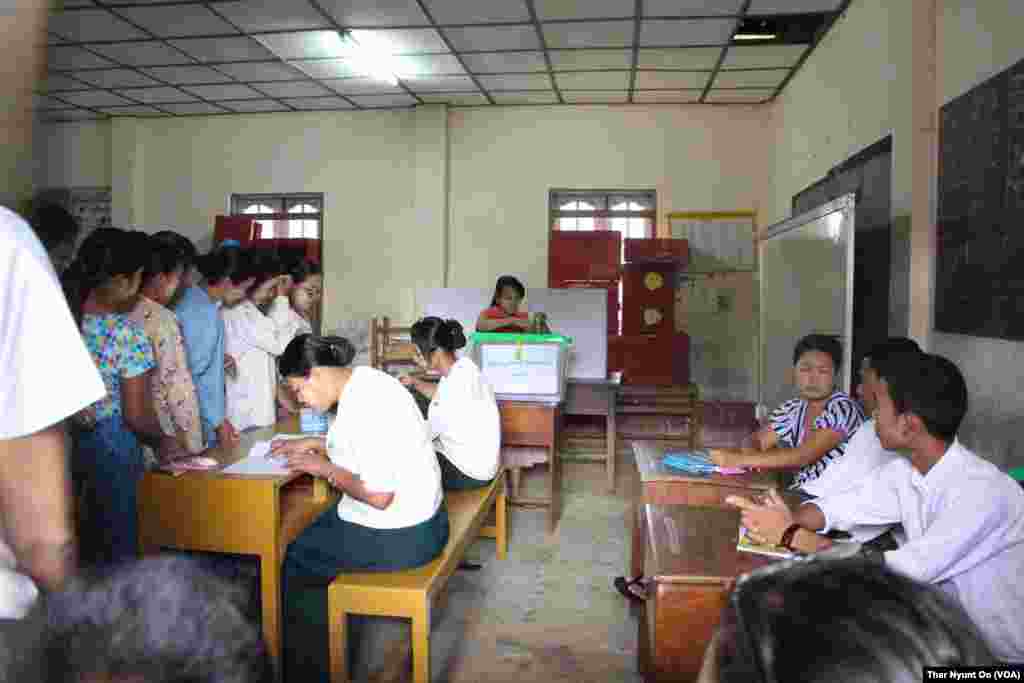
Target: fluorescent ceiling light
{"x":369,"y":56}
{"x":361,"y":56}
{"x":755,"y":36}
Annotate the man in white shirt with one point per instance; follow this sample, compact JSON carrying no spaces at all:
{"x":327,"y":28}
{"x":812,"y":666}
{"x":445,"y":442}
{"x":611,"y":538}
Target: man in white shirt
{"x":963,"y":518}
{"x":48,"y":376}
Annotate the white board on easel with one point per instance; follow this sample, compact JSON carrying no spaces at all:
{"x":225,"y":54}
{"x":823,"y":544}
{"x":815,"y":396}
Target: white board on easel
{"x":578,"y":313}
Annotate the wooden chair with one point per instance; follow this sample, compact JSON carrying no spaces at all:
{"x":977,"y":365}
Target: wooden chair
{"x":390,"y":345}
{"x":668,"y":401}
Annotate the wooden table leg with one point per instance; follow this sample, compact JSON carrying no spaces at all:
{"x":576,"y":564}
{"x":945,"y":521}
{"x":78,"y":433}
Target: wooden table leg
{"x":609,"y":425}
{"x":270,"y":597}
{"x":638,"y":550}
{"x":556,"y":477}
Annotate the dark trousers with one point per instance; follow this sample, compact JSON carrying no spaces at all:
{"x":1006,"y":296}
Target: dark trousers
{"x":331,"y":546}
{"x":453,"y":479}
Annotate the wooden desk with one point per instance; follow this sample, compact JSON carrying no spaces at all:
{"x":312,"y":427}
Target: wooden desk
{"x":693,"y":559}
{"x":597,"y":397}
{"x":662,"y":485}
{"x":247,"y":515}
{"x":534,"y":425}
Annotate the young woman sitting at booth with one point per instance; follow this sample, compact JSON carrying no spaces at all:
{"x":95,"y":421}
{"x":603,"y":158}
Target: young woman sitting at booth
{"x":463,"y":414}
{"x":377,"y":453}
{"x":504,"y":314}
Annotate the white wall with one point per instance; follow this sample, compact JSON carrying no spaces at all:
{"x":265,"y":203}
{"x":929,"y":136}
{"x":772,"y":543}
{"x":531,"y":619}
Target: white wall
{"x":505,"y":160}
{"x":73,"y":154}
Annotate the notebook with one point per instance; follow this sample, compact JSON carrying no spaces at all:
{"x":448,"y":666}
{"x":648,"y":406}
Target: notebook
{"x":696,"y":462}
{"x":748,"y":545}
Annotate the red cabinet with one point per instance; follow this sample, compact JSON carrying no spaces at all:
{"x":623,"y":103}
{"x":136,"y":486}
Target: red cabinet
{"x":655,"y":249}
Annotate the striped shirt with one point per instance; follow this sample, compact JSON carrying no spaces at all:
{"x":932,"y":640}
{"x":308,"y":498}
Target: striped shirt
{"x":841,"y":414}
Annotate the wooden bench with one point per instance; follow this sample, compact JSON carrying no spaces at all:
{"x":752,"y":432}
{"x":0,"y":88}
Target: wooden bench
{"x":410,"y":593}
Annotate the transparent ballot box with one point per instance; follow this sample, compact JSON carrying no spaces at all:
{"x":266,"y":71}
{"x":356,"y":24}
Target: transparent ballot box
{"x":523,"y":367}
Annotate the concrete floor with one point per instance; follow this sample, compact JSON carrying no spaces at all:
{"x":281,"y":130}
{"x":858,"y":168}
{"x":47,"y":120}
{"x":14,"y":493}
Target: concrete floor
{"x":546,"y":613}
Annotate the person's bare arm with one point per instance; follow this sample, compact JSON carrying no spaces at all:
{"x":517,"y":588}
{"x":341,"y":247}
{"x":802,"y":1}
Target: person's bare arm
{"x":137,"y":406}
{"x":34,"y":506}
{"x":485,"y":324}
{"x":814,"y":447}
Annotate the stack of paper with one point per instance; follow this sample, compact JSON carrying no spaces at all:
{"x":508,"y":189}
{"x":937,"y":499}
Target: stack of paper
{"x":696,"y":462}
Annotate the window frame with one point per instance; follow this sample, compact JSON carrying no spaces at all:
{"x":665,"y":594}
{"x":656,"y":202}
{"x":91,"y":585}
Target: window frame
{"x":239,"y":201}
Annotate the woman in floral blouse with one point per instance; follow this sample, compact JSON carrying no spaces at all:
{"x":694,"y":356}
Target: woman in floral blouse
{"x":102,"y":286}
{"x":174,"y":394}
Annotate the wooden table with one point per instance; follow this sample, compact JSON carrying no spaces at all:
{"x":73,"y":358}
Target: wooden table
{"x":247,"y":515}
{"x":597,"y":397}
{"x":693,"y":559}
{"x":534,"y":425}
{"x":662,"y":485}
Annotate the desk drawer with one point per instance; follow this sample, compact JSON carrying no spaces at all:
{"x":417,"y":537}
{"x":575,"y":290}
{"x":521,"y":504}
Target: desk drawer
{"x":528,"y":424}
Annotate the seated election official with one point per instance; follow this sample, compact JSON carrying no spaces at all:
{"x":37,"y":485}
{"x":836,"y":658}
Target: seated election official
{"x":378,"y":454}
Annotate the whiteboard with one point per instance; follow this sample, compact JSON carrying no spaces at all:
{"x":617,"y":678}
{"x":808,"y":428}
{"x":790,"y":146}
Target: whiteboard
{"x":578,"y":313}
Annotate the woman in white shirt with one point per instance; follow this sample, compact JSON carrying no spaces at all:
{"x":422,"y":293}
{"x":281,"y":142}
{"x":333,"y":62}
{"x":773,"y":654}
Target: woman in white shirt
{"x":378,"y":454}
{"x":301,"y":305}
{"x":463,"y":415}
{"x":254,"y":341}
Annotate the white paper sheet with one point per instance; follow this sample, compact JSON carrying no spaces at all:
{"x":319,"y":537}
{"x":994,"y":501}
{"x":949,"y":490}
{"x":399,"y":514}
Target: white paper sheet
{"x":258,"y":461}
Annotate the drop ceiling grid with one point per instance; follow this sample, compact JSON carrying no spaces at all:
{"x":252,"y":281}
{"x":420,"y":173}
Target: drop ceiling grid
{"x":108,"y":53}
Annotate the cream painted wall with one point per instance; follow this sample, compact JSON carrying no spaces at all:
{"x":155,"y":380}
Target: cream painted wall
{"x":73,"y":154}
{"x":505,"y":160}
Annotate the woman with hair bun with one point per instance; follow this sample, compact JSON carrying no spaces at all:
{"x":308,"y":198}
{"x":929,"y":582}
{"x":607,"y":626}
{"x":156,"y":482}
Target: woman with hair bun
{"x":463,"y":414}
{"x":378,"y":454}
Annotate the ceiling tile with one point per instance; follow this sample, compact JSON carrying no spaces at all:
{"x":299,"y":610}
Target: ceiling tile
{"x":750,"y":79}
{"x":568,"y":60}
{"x":223,"y":49}
{"x":227,"y":91}
{"x":116,"y":78}
{"x":466,"y":99}
{"x":312,"y":103}
{"x":686,"y":32}
{"x":77,"y":3}
{"x":595,"y":96}
{"x":762,"y":56}
{"x":421,"y":65}
{"x":648,"y":80}
{"x":192,"y":108}
{"x":360,"y":86}
{"x":516,"y":82}
{"x":261,"y":71}
{"x":741,"y":96}
{"x":493,"y":38}
{"x":375,"y":12}
{"x":525,"y":97}
{"x":589,"y":34}
{"x":42,"y":102}
{"x":440,"y":84}
{"x":246,"y":106}
{"x":593,"y":80}
{"x":93,"y":98}
{"x":156,"y":95}
{"x":505,"y":62}
{"x":398,"y":100}
{"x":57,"y":115}
{"x":186,"y":74}
{"x":679,"y":58}
{"x":477,"y":11}
{"x":54,"y":82}
{"x":667,"y":95}
{"x":573,"y":9}
{"x":293,"y":89}
{"x":132,"y":110}
{"x":401,"y":41}
{"x":92,"y":24}
{"x":74,"y":58}
{"x":762,"y":7}
{"x":143,"y":54}
{"x":177,"y":20}
{"x":272,"y":15}
{"x":303,"y":45}
{"x":326,"y":68}
{"x":691,"y":8}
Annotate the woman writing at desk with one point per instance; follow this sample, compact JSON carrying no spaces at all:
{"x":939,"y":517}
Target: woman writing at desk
{"x":379,"y":455}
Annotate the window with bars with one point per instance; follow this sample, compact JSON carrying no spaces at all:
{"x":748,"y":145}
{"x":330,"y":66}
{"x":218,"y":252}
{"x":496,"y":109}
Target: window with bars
{"x":282,"y":215}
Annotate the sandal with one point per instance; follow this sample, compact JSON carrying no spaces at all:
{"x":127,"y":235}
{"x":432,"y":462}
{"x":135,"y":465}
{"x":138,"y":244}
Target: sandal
{"x":633,"y":589}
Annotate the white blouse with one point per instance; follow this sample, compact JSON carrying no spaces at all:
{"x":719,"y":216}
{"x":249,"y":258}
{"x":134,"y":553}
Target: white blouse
{"x":254,"y":341}
{"x":464,"y":421}
{"x":283,"y":314}
{"x":380,"y":436}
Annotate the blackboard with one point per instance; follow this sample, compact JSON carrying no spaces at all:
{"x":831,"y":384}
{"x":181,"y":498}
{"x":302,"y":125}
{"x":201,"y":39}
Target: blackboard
{"x":979,"y":278}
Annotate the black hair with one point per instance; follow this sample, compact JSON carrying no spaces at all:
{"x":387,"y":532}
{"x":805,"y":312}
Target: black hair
{"x":302,"y":269}
{"x":433,"y":333}
{"x":826,"y":343}
{"x":224,"y":262}
{"x":893,"y":345}
{"x":854,"y":620}
{"x":53,"y":224}
{"x":105,"y":253}
{"x":507,"y":281}
{"x":308,"y":351}
{"x":163,"y":255}
{"x":184,"y":244}
{"x":162,"y":620}
{"x":928,"y":386}
{"x":263,"y":265}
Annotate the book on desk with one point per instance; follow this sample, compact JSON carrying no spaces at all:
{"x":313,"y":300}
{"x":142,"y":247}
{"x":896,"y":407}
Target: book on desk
{"x":748,"y":545}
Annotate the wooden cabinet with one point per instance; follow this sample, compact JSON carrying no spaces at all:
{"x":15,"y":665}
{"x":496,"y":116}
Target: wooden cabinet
{"x":674,"y":251}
